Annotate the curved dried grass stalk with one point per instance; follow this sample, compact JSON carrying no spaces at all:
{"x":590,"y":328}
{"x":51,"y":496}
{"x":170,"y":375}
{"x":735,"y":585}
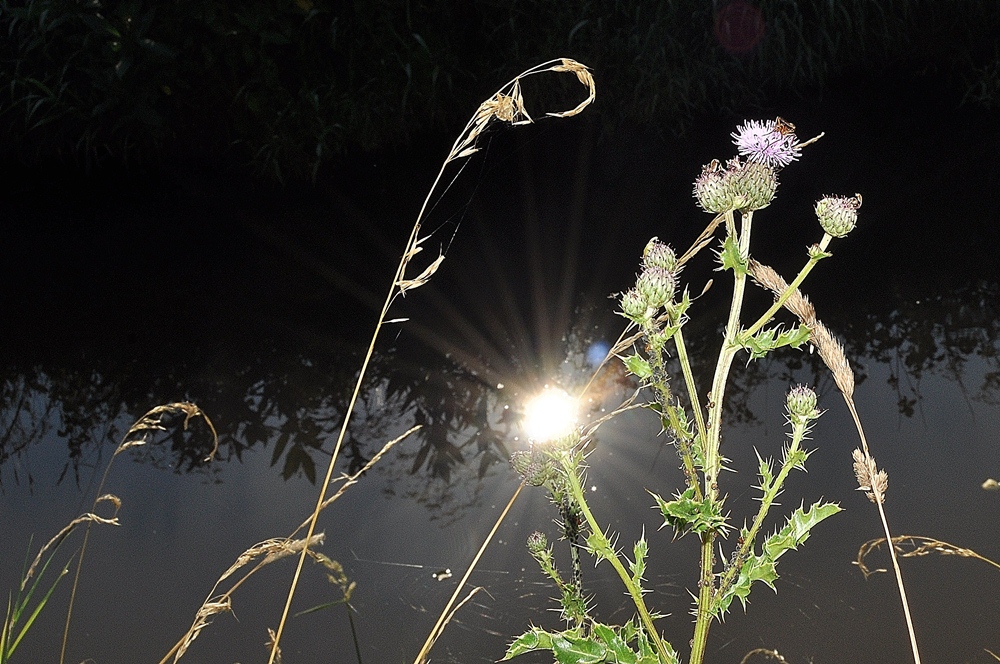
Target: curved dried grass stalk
{"x":915,"y":546}
{"x":764,"y":652}
{"x":507,"y":105}
{"x":140,"y":433}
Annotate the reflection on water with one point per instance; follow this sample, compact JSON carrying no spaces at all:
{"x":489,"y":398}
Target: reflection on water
{"x":262,"y":321}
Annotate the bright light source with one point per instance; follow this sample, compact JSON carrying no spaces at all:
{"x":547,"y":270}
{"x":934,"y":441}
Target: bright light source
{"x":549,"y":415}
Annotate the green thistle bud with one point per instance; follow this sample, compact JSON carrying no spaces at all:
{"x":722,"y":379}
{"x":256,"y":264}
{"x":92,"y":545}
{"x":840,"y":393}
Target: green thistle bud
{"x":838,"y":215}
{"x":657,"y":254}
{"x":566,"y":442}
{"x":534,"y":467}
{"x":537,"y":543}
{"x":802,"y":402}
{"x":754,"y":184}
{"x":713,"y":189}
{"x":656,"y":285}
{"x":634,"y":306}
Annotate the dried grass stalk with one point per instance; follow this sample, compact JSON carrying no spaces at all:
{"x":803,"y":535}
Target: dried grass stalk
{"x":150,"y":423}
{"x":915,"y":546}
{"x":507,"y":105}
{"x":764,"y":652}
{"x":264,"y":553}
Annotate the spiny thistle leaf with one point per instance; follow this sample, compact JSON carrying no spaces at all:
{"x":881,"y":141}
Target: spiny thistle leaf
{"x":796,"y":529}
{"x":762,"y":567}
{"x":534,"y":639}
{"x":767,"y":340}
{"x":571,"y":649}
{"x":638,"y":566}
{"x":685,"y":514}
{"x":638,"y":366}
{"x":730,"y":257}
{"x":766,"y":473}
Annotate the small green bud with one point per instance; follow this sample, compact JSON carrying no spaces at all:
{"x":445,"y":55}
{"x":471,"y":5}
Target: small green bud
{"x":537,"y":543}
{"x":566,"y":442}
{"x":656,"y":285}
{"x":533,"y":467}
{"x":802,"y":402}
{"x":713,"y":189}
{"x":634,"y":306}
{"x":754,"y":184}
{"x":838,"y":215}
{"x":657,"y":254}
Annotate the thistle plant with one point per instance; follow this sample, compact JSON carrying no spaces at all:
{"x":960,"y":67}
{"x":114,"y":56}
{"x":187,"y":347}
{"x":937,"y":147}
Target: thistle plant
{"x":657,"y":308}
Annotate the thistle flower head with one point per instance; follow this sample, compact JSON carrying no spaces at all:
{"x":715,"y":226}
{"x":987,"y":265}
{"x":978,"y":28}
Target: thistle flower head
{"x":770,"y":142}
{"x":753,"y":184}
{"x":657,"y":254}
{"x":656,"y":285}
{"x":838,"y":215}
{"x":713,"y":189}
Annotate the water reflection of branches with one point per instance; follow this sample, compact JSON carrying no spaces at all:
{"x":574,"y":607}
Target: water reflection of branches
{"x":292,"y":405}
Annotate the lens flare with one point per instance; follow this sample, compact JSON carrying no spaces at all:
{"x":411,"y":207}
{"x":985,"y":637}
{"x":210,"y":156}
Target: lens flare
{"x":549,"y":415}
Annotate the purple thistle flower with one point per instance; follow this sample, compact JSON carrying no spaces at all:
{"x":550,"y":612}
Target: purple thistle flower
{"x":770,"y":142}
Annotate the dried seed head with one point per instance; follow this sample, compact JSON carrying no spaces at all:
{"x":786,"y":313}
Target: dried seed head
{"x":656,"y":285}
{"x":871,"y":480}
{"x":832,"y":354}
{"x":713,"y":189}
{"x":657,"y":254}
{"x":754,"y":184}
{"x":838,"y":215}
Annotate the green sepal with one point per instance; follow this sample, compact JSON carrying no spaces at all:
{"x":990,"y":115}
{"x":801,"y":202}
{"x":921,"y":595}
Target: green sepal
{"x":638,"y":366}
{"x":685,"y":514}
{"x":817,"y":254}
{"x":765,"y":341}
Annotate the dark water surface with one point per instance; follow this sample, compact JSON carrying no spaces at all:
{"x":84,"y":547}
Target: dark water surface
{"x":118,"y":296}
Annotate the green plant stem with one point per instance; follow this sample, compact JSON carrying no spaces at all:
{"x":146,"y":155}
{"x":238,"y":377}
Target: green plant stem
{"x":576,"y":490}
{"x":692,"y":389}
{"x":792,"y":287}
{"x":725,"y":362}
{"x":706,"y":580}
{"x":798,"y":433}
{"x":703,"y":618}
{"x":664,"y":398}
